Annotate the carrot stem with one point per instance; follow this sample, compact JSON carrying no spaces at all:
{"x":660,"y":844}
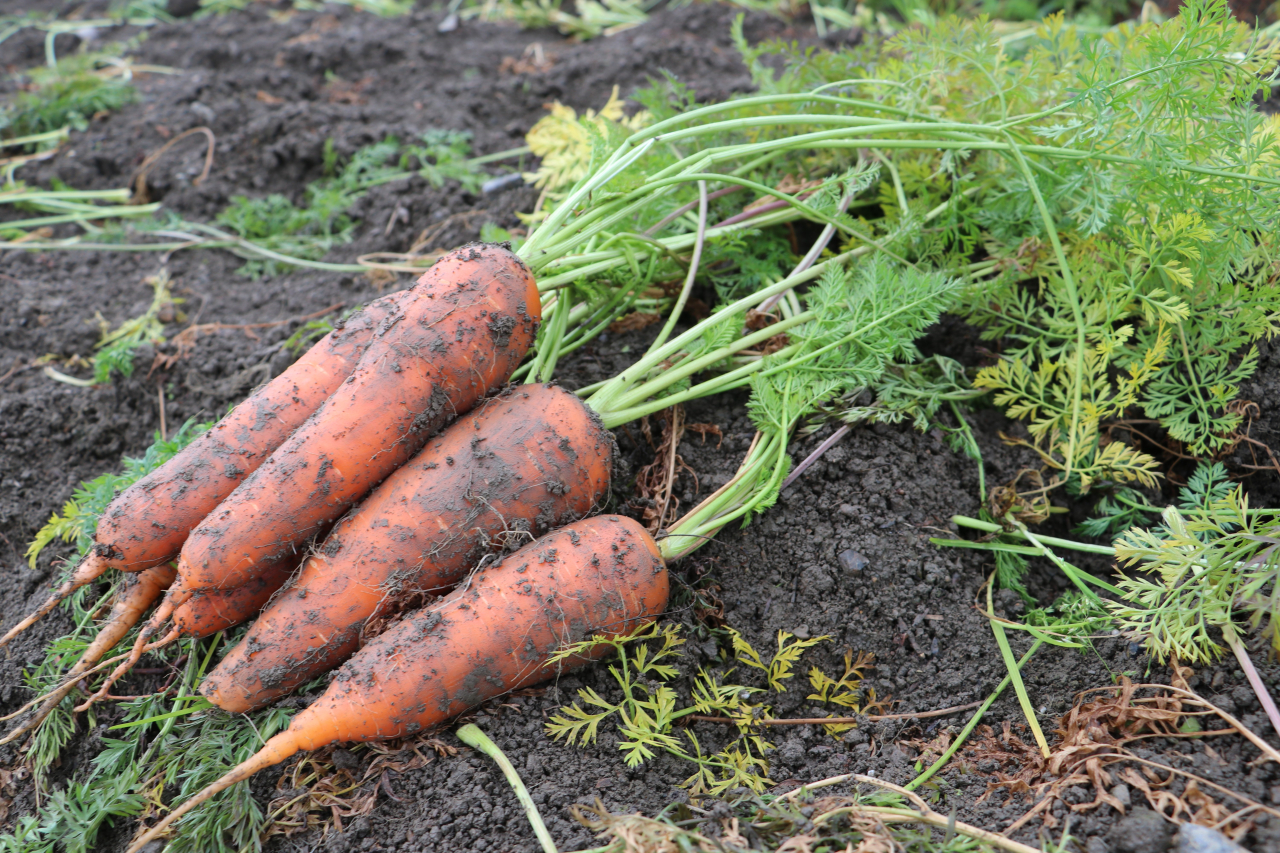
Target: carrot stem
{"x":89,"y":570}
{"x":694,"y":262}
{"x":472,"y":736}
{"x":276,"y":750}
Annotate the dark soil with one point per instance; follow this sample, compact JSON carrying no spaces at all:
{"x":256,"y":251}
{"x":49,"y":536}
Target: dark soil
{"x":881,"y":493}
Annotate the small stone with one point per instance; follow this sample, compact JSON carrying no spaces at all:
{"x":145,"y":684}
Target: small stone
{"x":1121,"y":793}
{"x":1202,"y":839}
{"x":1141,"y":831}
{"x":852,"y":562}
{"x":850,"y":511}
{"x":182,"y":8}
{"x":203,"y":112}
{"x":802,"y":632}
{"x":497,"y":185}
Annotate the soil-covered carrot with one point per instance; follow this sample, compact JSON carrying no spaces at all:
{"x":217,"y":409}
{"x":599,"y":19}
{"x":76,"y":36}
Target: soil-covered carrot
{"x":457,"y":334}
{"x":147,"y":523}
{"x":454,"y":337}
{"x":212,"y":610}
{"x":496,"y":633}
{"x":140,"y":592}
{"x":521,"y":464}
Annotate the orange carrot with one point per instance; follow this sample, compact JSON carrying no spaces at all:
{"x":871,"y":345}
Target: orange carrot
{"x":147,"y":523}
{"x":519,"y":465}
{"x":209,"y":611}
{"x":140,"y":592}
{"x":452,"y":339}
{"x":494,"y":634}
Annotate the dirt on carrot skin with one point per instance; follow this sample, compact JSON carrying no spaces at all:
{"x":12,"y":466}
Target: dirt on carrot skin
{"x":529,"y":461}
{"x":844,"y":553}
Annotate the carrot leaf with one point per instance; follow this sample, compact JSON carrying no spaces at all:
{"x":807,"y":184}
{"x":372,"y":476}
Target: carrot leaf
{"x":649,"y":707}
{"x":577,"y":725}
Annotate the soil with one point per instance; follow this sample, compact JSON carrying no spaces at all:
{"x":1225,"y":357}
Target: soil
{"x":845,"y":553}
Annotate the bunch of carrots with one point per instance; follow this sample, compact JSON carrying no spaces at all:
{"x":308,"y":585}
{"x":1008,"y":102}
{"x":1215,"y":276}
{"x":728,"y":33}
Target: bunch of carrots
{"x":400,"y":397}
{"x":387,"y":462}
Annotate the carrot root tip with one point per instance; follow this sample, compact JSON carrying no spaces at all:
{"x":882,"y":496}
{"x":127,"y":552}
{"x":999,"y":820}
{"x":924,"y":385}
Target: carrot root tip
{"x":89,"y":570}
{"x":276,"y":750}
{"x":140,"y":647}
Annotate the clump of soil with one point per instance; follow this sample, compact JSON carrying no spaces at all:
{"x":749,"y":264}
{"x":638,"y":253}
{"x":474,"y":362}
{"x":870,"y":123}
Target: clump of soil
{"x":845,"y":553}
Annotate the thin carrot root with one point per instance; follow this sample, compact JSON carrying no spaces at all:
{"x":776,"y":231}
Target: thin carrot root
{"x":111,"y":661}
{"x":140,"y":647}
{"x":96,"y":668}
{"x":87,"y":572}
{"x":276,"y":750}
{"x":168,"y":638}
{"x":140,"y":593}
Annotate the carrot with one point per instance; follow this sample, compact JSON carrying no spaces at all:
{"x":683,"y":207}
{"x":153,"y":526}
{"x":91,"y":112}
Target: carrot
{"x":523,"y":463}
{"x":496,"y":633}
{"x":455,"y":336}
{"x":147,"y":523}
{"x":139,"y":593}
{"x":209,"y":611}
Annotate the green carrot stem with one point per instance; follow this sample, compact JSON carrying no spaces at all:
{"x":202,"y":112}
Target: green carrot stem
{"x":500,"y":155}
{"x":971,"y":725}
{"x":1077,"y":576}
{"x":82,"y":216}
{"x":694,"y":263}
{"x":989,"y":527}
{"x":1015,"y":674}
{"x":472,"y":736}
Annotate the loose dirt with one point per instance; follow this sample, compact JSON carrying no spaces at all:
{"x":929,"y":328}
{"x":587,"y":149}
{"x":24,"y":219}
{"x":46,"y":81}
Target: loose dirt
{"x":845,"y":553}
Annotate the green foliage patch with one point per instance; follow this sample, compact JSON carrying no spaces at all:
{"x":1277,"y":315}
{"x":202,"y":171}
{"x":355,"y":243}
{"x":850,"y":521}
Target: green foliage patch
{"x":69,"y":93}
{"x":644,"y":671}
{"x":323,"y":221}
{"x":1130,"y":276}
